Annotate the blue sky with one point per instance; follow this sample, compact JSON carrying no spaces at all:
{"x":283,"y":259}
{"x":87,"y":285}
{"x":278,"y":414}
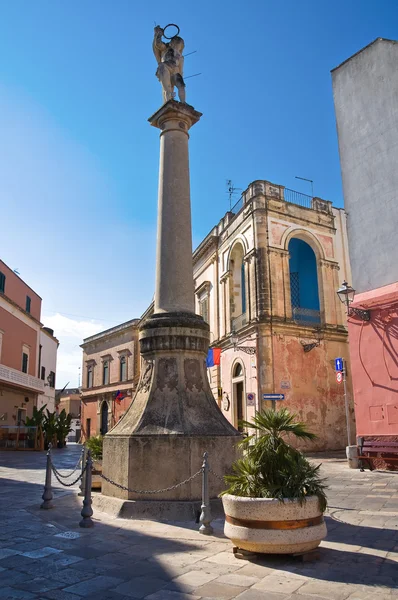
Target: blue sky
{"x":79,"y":161}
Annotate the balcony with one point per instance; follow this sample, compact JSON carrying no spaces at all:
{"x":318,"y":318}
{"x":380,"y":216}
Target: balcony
{"x":22,"y":380}
{"x":306,"y":317}
{"x":238,"y":322}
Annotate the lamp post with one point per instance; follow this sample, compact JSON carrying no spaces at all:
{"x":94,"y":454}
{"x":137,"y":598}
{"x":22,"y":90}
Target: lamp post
{"x":346,"y":293}
{"x":235,"y":338}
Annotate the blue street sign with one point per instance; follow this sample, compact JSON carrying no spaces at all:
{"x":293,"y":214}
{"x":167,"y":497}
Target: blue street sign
{"x":338,"y":363}
{"x":273,"y":396}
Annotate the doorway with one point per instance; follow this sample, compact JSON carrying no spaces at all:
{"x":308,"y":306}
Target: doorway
{"x":238,"y":394}
{"x":104,"y":418}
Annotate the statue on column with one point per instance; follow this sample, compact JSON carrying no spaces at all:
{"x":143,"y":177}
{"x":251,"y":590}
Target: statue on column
{"x":170,"y":63}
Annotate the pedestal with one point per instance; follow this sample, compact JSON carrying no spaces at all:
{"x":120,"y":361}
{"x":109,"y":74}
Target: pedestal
{"x":174,"y":417}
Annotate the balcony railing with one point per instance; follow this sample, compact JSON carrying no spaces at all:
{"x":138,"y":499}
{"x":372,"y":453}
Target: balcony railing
{"x":238,"y":322}
{"x":306,"y":316}
{"x":298,"y":198}
{"x":20,"y":379}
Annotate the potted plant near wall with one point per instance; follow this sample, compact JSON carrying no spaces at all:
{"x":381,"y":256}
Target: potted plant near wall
{"x":276,"y":498}
{"x":95,"y":444}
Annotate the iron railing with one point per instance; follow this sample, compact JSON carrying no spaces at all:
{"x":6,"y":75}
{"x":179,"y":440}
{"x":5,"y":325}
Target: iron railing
{"x":306,"y":316}
{"x":237,"y":206}
{"x":238,"y":322}
{"x":298,"y":198}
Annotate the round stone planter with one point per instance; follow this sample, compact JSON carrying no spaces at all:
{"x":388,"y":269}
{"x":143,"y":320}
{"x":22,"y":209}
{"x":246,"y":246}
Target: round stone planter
{"x":272,"y":527}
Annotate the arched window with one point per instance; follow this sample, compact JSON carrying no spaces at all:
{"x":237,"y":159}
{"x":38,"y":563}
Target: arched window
{"x":238,"y":385}
{"x":304,"y":292}
{"x":238,"y":371}
{"x":237,"y":288}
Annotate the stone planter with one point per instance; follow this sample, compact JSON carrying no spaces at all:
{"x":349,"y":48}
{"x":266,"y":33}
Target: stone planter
{"x":269,"y":526}
{"x":96,"y":482}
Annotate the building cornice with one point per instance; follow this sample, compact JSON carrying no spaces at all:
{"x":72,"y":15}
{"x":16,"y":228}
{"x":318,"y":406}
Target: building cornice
{"x":133,"y":323}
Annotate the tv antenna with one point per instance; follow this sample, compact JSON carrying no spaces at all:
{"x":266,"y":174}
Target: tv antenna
{"x":309,"y":181}
{"x":232,"y":191}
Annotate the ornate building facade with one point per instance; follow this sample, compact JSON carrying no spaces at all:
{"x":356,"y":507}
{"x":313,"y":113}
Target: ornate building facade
{"x":109,"y":378}
{"x":266,"y":278}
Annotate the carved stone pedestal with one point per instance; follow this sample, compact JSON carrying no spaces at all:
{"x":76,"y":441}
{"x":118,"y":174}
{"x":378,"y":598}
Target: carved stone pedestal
{"x":173,"y":419}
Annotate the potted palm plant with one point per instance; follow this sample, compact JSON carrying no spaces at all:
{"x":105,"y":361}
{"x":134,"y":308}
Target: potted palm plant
{"x":276,"y":498}
{"x":64,"y":421}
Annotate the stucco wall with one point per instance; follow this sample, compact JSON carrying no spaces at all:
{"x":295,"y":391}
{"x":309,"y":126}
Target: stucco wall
{"x":16,"y":334}
{"x":48,"y":360}
{"x":17,"y":290}
{"x":365,"y":95}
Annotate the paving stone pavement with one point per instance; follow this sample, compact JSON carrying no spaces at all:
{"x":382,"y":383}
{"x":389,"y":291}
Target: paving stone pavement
{"x":46,"y":555}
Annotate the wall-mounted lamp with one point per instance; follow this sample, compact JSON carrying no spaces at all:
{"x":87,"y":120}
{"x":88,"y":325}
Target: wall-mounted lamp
{"x":235,"y":338}
{"x":307,"y":347}
{"x":346,"y":294}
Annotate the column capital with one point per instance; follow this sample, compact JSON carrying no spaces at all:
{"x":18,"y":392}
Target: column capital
{"x":177,"y":115}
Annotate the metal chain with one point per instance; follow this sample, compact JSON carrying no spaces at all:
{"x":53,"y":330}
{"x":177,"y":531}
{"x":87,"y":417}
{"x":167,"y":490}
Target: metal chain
{"x":168,"y":489}
{"x":54,"y":468}
{"x":73,"y":482}
{"x":216,"y":475}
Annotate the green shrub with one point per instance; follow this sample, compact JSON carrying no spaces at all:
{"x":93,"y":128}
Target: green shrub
{"x":95,"y":444}
{"x":271,"y":467}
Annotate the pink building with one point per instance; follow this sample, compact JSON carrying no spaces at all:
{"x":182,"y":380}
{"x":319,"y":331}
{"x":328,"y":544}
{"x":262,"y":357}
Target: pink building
{"x":21,"y":365}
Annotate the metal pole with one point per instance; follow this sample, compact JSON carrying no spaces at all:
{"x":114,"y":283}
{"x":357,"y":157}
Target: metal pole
{"x":48,"y":493}
{"x":83,"y":479}
{"x":205,"y":515}
{"x":347,"y":412}
{"x":87,"y":511}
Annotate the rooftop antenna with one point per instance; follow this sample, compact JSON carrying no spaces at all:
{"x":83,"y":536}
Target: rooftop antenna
{"x":231,"y":190}
{"x":310,"y":181}
{"x":16,"y":271}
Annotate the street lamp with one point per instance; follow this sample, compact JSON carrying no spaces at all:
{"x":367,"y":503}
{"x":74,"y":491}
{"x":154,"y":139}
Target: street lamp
{"x":235,"y":338}
{"x":346,"y":294}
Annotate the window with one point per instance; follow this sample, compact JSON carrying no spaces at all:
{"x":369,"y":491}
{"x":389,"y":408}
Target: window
{"x":90,"y":376}
{"x":204,"y":309}
{"x":304,"y":292}
{"x":2,"y":282}
{"x":43,"y":373}
{"x":105,"y":373}
{"x":123,"y":368}
{"x":88,"y":428}
{"x":28,"y":301}
{"x":51,"y":379}
{"x":21,"y":415}
{"x":25,"y":360}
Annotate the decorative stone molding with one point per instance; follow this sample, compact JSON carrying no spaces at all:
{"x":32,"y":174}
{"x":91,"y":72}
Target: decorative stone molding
{"x":203,"y":289}
{"x":106,"y":357}
{"x":328,"y":264}
{"x":224,"y":278}
{"x":324,"y":206}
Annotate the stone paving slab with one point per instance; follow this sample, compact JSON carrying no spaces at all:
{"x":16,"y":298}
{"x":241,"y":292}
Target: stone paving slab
{"x":45,"y":554}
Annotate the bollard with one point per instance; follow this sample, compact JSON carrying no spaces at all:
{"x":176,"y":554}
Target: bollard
{"x":48,"y":493}
{"x":205,"y":515}
{"x":87,"y":511}
{"x":83,"y":479}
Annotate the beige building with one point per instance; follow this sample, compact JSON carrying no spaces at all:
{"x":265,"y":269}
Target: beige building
{"x":266,"y":278}
{"x":110,"y":375}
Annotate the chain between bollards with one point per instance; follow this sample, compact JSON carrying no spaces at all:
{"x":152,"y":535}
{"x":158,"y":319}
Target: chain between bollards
{"x":83,"y":479}
{"x":205,"y":515}
{"x":87,"y":511}
{"x":48,"y":493}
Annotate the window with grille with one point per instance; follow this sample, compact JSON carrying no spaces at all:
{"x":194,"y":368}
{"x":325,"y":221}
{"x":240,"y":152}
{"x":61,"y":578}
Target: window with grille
{"x":295,"y":289}
{"x":90,"y":377}
{"x":25,"y":360}
{"x":204,"y":309}
{"x":105,"y":373}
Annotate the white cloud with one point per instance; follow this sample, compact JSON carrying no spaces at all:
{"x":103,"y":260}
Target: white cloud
{"x":70,"y":333}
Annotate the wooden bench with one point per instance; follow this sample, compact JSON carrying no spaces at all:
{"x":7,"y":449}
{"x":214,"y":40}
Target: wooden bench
{"x":369,"y":451}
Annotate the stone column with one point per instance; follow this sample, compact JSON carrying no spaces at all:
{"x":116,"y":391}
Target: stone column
{"x":173,"y":418}
{"x":174,"y":290}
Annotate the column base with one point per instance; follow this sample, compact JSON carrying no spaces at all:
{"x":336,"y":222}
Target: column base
{"x":172,"y":420}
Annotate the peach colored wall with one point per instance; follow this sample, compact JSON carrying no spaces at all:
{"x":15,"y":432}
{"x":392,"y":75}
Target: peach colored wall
{"x":374,"y":363}
{"x":229,"y":358}
{"x":17,"y":290}
{"x":17,"y":333}
{"x":89,"y":411}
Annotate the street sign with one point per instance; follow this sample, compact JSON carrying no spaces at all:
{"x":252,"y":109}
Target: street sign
{"x":339,"y":377}
{"x":250,"y":399}
{"x":338,"y":364}
{"x":273,"y":396}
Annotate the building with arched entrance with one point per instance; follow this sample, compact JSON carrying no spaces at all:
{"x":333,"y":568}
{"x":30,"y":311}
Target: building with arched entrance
{"x":266,"y":278}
